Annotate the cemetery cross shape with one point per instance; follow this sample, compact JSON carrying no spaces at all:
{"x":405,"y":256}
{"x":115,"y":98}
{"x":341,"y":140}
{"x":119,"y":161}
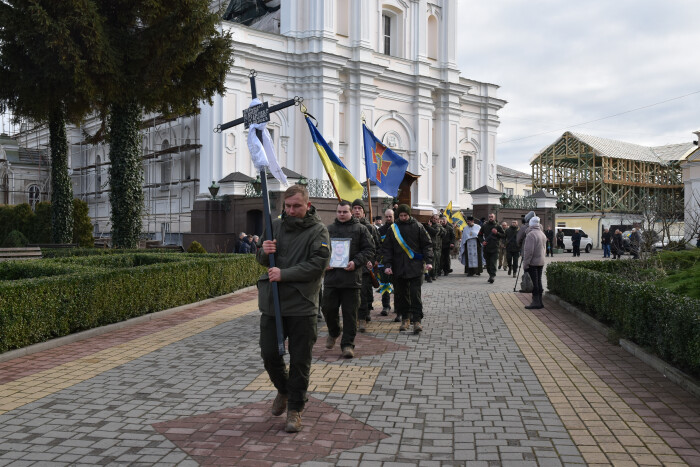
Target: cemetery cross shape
{"x":258,"y":114}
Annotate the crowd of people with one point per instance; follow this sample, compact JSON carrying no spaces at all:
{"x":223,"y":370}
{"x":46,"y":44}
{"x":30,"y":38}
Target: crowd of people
{"x":334,"y":267}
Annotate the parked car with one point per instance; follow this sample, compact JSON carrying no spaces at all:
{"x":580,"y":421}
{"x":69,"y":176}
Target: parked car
{"x":586,"y":242}
{"x":660,"y":245}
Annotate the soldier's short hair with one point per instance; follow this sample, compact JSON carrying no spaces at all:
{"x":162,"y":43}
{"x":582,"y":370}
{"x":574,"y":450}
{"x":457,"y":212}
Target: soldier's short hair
{"x":344,"y":202}
{"x":297,"y":190}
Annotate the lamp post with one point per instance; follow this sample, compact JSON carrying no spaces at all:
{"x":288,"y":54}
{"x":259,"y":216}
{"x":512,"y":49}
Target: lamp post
{"x":561,"y":204}
{"x":257,"y":184}
{"x":213,"y":189}
{"x":302,"y":181}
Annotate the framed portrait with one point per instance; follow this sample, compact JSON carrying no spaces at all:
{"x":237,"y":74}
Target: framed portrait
{"x":340,"y":252}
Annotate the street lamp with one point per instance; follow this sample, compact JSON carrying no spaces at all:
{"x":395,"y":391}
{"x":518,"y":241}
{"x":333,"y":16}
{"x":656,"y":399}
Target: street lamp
{"x":302,"y":181}
{"x":257,"y":184}
{"x":504,"y":199}
{"x":561,"y":204}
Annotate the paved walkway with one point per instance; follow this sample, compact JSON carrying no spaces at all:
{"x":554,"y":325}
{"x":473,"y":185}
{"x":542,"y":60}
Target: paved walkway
{"x":486,"y":383}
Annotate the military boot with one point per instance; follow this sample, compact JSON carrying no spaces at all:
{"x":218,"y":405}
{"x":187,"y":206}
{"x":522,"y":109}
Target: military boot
{"x":417,"y":328}
{"x":405,"y":324}
{"x":293,"y":421}
{"x":279,"y":405}
{"x":362,"y":325}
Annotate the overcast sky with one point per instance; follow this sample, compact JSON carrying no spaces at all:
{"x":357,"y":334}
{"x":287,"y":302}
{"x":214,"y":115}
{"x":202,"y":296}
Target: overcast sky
{"x":562,"y":63}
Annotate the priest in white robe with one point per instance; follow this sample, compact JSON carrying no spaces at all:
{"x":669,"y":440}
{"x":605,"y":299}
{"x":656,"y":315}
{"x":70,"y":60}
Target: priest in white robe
{"x":470,"y":249}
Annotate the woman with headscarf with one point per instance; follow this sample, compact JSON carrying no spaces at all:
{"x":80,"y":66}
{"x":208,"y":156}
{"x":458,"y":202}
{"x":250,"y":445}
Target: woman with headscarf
{"x":534,"y":250}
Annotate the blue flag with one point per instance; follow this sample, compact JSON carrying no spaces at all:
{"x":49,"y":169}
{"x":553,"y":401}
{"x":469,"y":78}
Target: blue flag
{"x":384,"y":166}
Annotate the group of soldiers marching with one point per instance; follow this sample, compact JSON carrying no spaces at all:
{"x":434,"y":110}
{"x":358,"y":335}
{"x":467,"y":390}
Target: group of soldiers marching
{"x":343,"y":257}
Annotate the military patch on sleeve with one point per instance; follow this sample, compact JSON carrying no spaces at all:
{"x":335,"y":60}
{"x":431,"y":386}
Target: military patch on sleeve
{"x":324,"y":244}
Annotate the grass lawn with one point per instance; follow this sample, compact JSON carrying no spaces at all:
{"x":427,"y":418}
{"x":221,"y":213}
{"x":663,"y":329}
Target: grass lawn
{"x":683,"y":281}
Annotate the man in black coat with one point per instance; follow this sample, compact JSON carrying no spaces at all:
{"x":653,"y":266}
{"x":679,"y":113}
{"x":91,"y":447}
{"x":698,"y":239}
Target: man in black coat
{"x":366,"y":293}
{"x":341,"y":285}
{"x":407,"y":249}
{"x":549,"y":233}
{"x":512,"y":248}
{"x":448,"y":242}
{"x":435,"y":231}
{"x":490,"y":237}
{"x":576,"y":242}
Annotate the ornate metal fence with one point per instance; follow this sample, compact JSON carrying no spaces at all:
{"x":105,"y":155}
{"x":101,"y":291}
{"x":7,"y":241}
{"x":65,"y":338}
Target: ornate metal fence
{"x":521,"y":202}
{"x":317,"y":189}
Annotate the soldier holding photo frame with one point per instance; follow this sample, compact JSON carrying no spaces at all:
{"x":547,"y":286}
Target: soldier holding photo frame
{"x":351,"y":248}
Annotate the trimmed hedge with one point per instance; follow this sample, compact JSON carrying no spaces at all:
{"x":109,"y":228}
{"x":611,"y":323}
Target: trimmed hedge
{"x":667,"y":324}
{"x":44,"y":299}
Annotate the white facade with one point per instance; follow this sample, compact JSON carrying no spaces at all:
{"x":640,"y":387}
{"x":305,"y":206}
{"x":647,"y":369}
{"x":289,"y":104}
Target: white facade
{"x":331,"y":53}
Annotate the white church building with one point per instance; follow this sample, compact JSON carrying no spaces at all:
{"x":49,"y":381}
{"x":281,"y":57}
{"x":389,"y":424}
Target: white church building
{"x":392,"y":62}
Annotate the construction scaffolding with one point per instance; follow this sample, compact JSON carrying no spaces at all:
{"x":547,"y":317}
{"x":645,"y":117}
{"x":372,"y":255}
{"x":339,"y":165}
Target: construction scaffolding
{"x":170,"y":153}
{"x":591,"y":174}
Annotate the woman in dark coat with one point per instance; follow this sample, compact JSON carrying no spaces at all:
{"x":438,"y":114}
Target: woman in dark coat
{"x":617,"y":248}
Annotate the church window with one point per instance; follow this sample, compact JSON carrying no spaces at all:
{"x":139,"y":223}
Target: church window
{"x":527,"y":192}
{"x":509,"y":191}
{"x":187,"y":162}
{"x":98,"y":176}
{"x":386,"y":20}
{"x":432,"y":37}
{"x":391,"y":32}
{"x":5,"y":188}
{"x":165,"y":166}
{"x":263,"y":15}
{"x":467,"y":173}
{"x":34,"y":195}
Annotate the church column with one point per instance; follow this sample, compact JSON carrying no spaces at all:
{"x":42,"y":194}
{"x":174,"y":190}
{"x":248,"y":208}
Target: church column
{"x":421,"y":162}
{"x":362,"y":21}
{"x":211,"y":153}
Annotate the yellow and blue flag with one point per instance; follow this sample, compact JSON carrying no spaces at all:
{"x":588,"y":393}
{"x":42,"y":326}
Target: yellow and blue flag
{"x":344,"y":183}
{"x":455,"y":217}
{"x":384,"y":166}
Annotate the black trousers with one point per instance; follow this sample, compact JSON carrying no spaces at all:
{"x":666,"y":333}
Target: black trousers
{"x":445,"y":260}
{"x":491,"y":262}
{"x":512,"y":260}
{"x":301,"y":333}
{"x":536,"y":277}
{"x":349,"y":301}
{"x":366,"y":297}
{"x":407,"y":298}
{"x":577,"y":249}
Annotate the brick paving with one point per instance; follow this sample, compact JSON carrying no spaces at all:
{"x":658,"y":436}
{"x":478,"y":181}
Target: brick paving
{"x":486,"y":383}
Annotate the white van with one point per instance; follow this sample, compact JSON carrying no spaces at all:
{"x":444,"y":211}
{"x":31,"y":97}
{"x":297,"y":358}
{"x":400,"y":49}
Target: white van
{"x":586,"y":242}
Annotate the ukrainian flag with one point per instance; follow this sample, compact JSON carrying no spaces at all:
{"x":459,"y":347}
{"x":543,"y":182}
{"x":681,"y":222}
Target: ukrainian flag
{"x":455,"y":218}
{"x":344,"y":183}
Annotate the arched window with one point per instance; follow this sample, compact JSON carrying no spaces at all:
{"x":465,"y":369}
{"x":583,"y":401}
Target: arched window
{"x":467,"y":170}
{"x":391,"y":30}
{"x":432,"y":37}
{"x":5,"y":189}
{"x":98,"y":176}
{"x":165,"y":166}
{"x":34,"y":195}
{"x":187,"y":161}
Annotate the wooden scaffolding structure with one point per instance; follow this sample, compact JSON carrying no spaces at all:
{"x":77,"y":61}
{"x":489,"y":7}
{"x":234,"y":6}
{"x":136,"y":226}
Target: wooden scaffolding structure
{"x":609,"y":177}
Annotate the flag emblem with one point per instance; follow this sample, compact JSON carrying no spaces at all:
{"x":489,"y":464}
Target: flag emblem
{"x":382,"y":165}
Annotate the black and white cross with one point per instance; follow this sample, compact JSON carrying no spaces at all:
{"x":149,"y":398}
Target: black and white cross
{"x":259,"y":114}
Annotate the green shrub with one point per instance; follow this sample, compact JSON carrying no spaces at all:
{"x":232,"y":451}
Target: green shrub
{"x":40,"y":231}
{"x":196,"y":247}
{"x":82,"y":225}
{"x":653,"y":317}
{"x":15,"y":239}
{"x":103,"y":289}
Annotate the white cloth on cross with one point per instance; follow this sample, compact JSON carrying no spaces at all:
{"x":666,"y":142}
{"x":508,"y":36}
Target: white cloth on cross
{"x":263,"y":153}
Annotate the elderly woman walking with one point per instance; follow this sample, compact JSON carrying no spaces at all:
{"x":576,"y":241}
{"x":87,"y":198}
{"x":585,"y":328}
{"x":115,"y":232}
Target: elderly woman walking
{"x":534,"y":248}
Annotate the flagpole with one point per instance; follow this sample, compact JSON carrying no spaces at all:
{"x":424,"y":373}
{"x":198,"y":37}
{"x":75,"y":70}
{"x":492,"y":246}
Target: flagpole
{"x":369,"y":191}
{"x":302,"y":108}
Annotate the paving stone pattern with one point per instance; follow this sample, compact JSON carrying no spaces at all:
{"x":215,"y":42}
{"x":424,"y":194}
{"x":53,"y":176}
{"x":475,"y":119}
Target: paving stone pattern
{"x":461,"y":393}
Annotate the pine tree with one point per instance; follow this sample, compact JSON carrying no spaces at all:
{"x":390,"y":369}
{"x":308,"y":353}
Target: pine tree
{"x":52,"y":55}
{"x":169,"y":56}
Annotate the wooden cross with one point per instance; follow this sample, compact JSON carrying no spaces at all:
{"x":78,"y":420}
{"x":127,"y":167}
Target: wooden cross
{"x":259,"y":114}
